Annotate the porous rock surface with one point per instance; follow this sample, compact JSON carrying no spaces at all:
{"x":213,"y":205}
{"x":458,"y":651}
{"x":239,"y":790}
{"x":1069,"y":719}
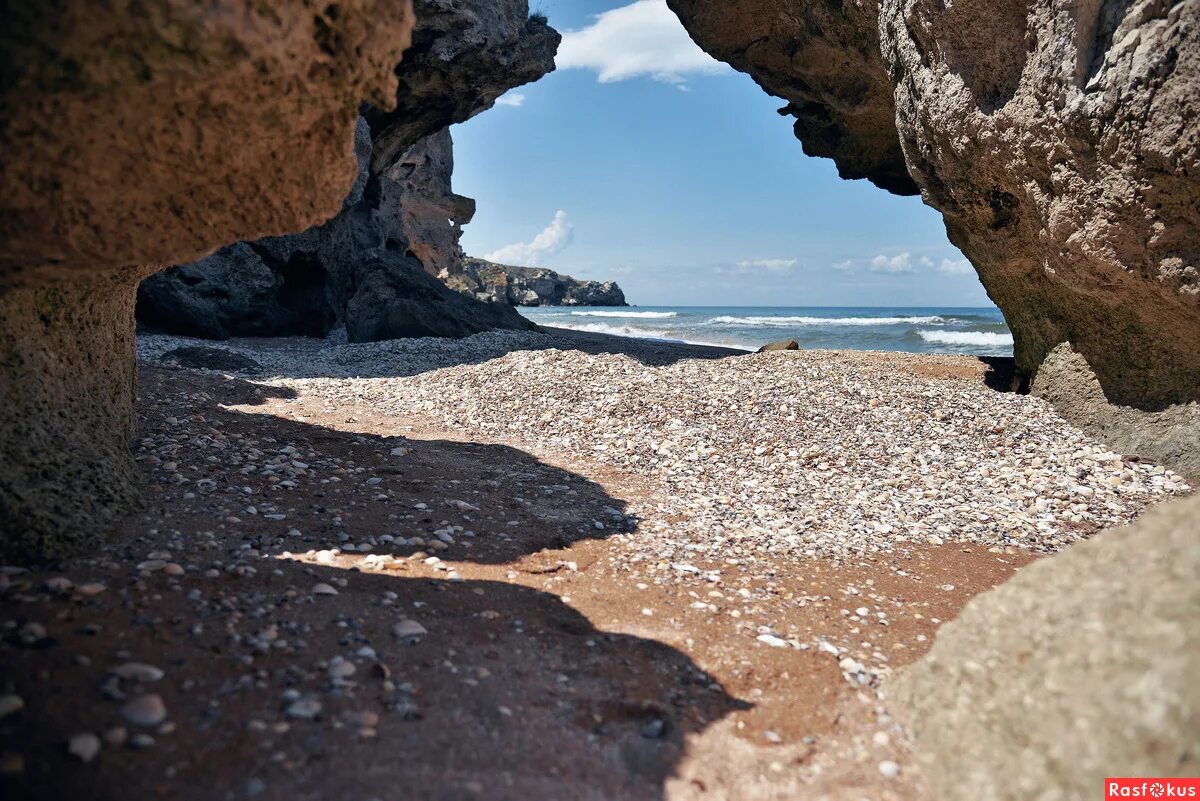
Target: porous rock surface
{"x":1060,"y":140}
{"x":150,"y":134}
{"x":1082,"y":666}
{"x":135,"y":135}
{"x":1170,"y":436}
{"x":529,"y":286}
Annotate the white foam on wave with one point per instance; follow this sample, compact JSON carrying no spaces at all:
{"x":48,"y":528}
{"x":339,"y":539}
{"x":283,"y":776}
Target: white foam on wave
{"x":637,"y":332}
{"x":986,"y":339}
{"x":617,"y":330}
{"x":645,"y":314}
{"x":819,"y":321}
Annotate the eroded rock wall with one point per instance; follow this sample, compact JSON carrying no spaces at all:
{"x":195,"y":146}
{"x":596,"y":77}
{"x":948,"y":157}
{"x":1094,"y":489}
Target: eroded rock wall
{"x":370,"y":269}
{"x":1060,"y":140}
{"x":530,"y":286}
{"x":136,"y":135}
{"x":66,"y":398}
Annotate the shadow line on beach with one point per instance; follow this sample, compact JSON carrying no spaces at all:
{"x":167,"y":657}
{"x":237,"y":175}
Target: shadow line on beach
{"x":511,"y":690}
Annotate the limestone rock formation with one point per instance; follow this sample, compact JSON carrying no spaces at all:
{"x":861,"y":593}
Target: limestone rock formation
{"x":142,"y":135}
{"x":1082,"y":666}
{"x":1170,"y":436}
{"x":136,"y":136}
{"x":1060,"y":140}
{"x":368,"y":269}
{"x":150,"y":133}
{"x":530,"y":286}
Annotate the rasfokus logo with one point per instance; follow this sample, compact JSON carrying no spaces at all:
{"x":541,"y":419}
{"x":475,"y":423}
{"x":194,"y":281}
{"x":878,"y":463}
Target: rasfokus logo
{"x":1151,"y":788}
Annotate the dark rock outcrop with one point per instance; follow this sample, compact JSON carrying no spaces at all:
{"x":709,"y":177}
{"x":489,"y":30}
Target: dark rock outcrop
{"x":368,"y":269}
{"x":1081,"y":666}
{"x":150,"y":134}
{"x":1061,"y":141}
{"x":529,"y":286}
{"x":372,"y":267}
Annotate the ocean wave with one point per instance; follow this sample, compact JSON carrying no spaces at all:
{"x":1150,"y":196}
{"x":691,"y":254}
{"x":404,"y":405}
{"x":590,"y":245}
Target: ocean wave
{"x":617,"y":330}
{"x":819,"y":321}
{"x":645,"y":314}
{"x":987,"y":339}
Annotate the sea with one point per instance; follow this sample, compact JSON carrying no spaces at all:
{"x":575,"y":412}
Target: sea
{"x":932,"y":329}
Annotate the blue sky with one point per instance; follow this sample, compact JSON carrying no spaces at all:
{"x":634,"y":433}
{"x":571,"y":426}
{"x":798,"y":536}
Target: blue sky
{"x":642,"y":160}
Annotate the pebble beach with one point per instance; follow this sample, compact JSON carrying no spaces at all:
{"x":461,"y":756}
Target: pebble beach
{"x":534,"y":565}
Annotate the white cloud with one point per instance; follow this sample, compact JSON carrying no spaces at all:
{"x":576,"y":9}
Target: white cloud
{"x":643,"y":38}
{"x":892,"y":264}
{"x":553,"y":239}
{"x":956,"y":267}
{"x":844,"y":266}
{"x":774,"y":265}
{"x":513,"y":99}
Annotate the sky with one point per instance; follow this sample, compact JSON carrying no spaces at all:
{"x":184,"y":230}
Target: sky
{"x":643,"y":160}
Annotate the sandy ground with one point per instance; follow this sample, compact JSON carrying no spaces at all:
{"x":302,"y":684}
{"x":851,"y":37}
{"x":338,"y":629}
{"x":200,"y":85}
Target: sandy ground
{"x":346,"y":601}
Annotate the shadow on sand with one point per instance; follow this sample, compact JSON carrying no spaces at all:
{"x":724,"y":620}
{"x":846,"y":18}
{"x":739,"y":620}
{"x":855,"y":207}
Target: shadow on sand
{"x":511,"y":694}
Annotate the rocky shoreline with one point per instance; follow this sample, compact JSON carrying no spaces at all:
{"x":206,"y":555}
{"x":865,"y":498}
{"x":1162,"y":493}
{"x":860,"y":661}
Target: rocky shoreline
{"x":529,"y":286}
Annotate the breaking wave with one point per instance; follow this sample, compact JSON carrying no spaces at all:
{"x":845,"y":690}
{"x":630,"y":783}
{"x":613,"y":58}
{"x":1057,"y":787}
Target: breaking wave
{"x":643,"y":314}
{"x":984,"y":339}
{"x":818,"y":321}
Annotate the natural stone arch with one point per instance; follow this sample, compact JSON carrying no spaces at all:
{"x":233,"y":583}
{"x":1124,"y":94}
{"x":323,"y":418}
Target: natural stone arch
{"x":1060,"y":141}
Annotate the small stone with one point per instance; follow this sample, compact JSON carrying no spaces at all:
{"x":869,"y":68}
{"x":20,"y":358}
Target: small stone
{"x":145,"y":710}
{"x":339,"y":668}
{"x":91,"y":588}
{"x":59,"y":584}
{"x":32,"y":633}
{"x":84,"y":746}
{"x":11,"y":764}
{"x":173,"y":569}
{"x":889,"y":769}
{"x":655,"y":729}
{"x":10,"y":704}
{"x":409,"y":631}
{"x":304,"y":709}
{"x":138,"y":671}
{"x":772,"y":640}
{"x":773,"y":737}
{"x":323,"y":589}
{"x":115,"y":736}
{"x":141,"y":741}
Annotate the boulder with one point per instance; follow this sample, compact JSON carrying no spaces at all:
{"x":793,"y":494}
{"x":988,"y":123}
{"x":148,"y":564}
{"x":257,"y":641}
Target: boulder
{"x":530,"y":286}
{"x":783,"y":344}
{"x":1082,"y":666}
{"x":1060,"y":140}
{"x":1170,"y":437}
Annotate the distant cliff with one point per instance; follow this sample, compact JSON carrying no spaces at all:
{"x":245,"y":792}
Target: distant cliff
{"x":530,"y":286}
